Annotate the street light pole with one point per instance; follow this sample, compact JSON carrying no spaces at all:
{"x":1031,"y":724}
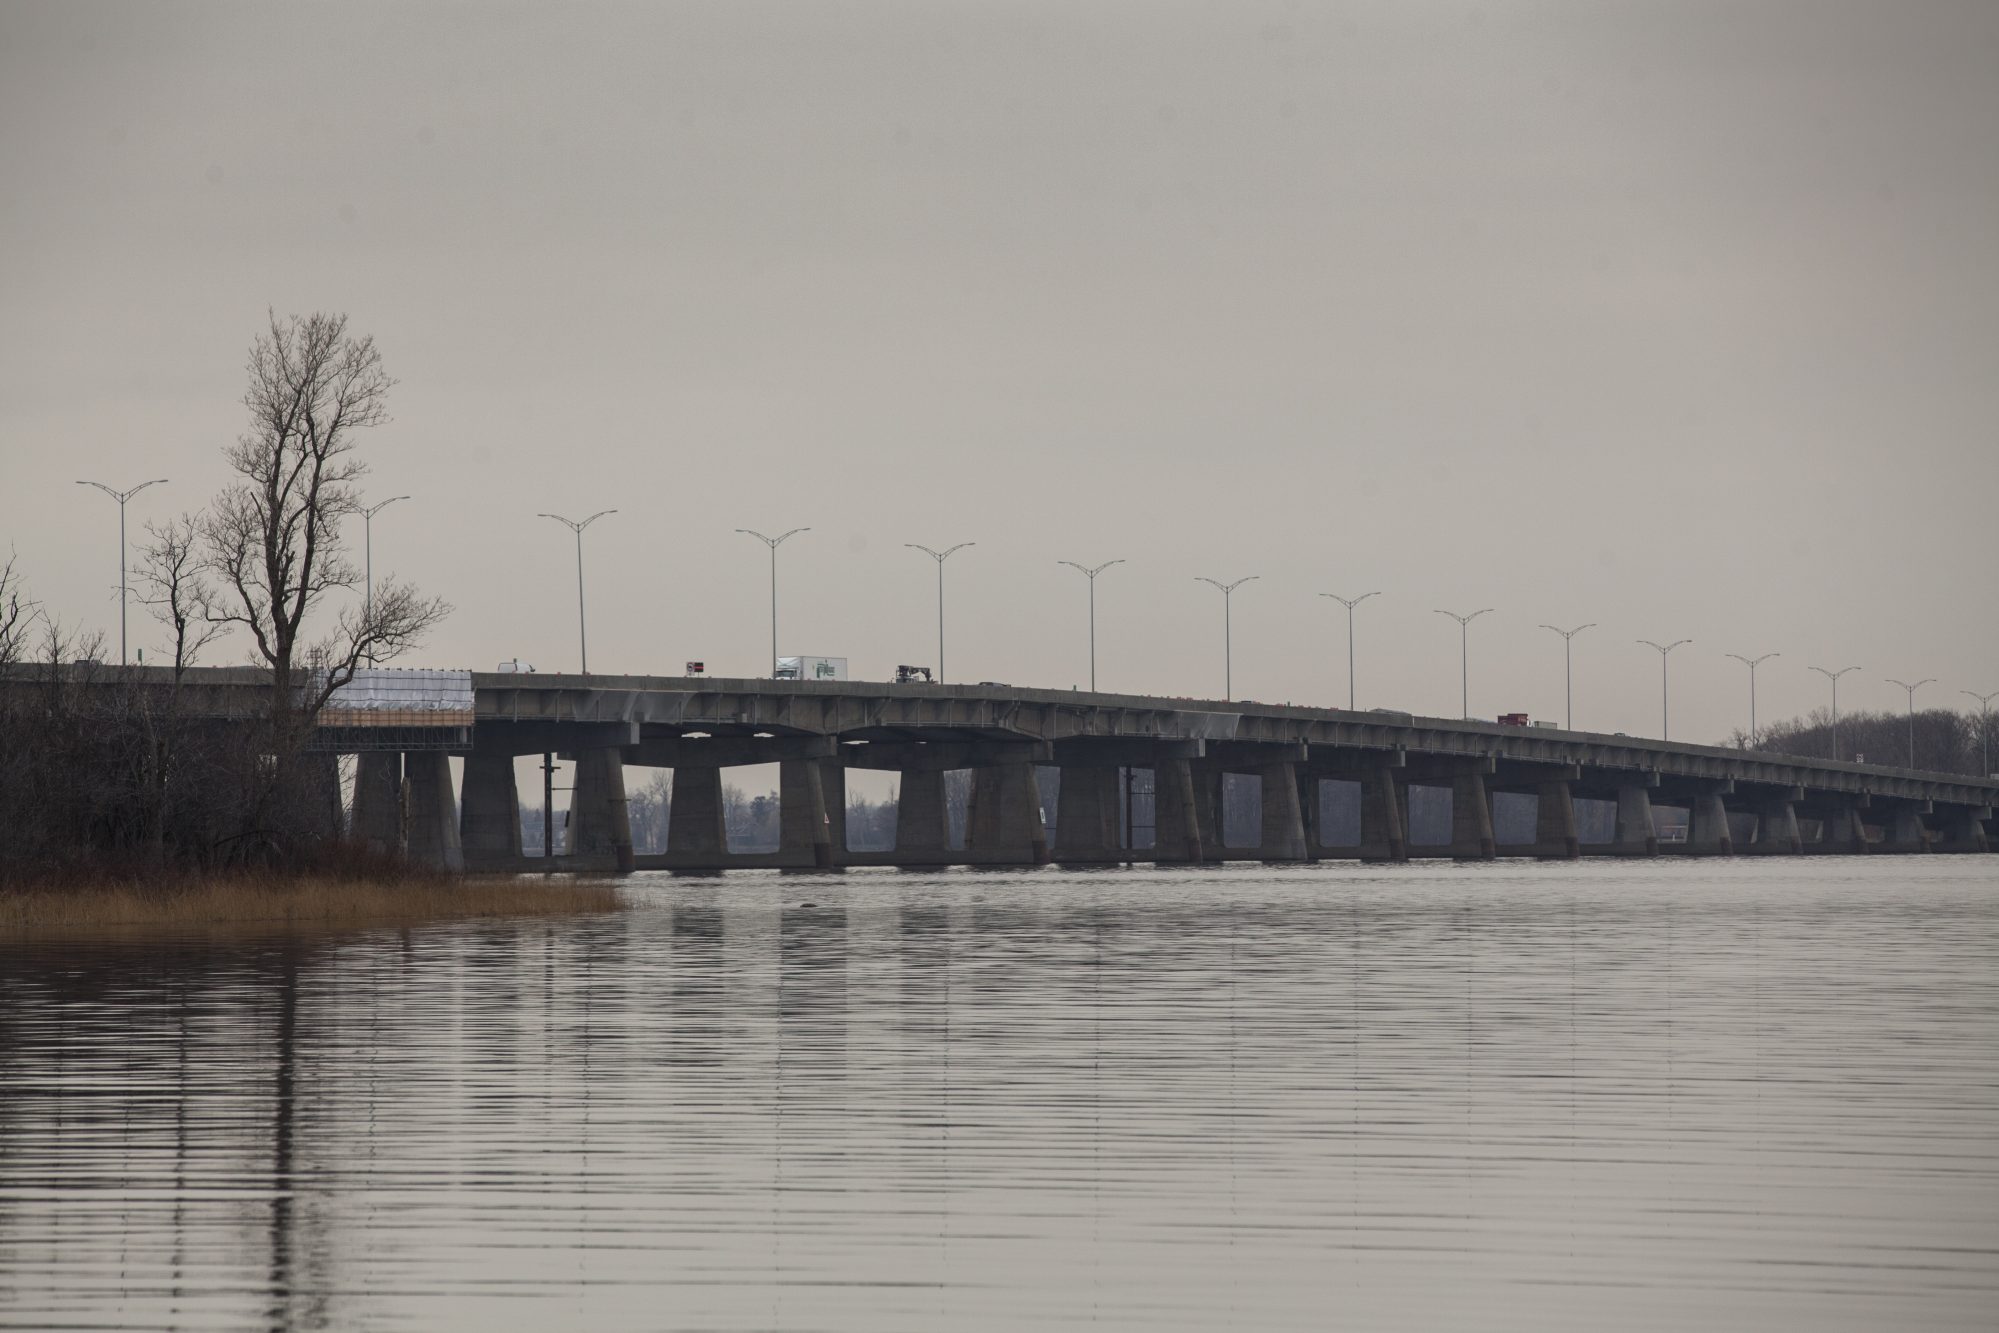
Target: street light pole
{"x":1984,"y":730}
{"x":773,"y":543}
{"x":1665,"y":731}
{"x":1091,"y":574}
{"x":1752,"y":663}
{"x":1568,"y":674}
{"x":1926,"y":680}
{"x":121,"y":497}
{"x":1228,"y":628}
{"x":940,"y":557}
{"x":368,"y":545}
{"x":576,"y":526}
{"x":1834,"y":676}
{"x":1350,"y":603}
{"x":1464,"y":656}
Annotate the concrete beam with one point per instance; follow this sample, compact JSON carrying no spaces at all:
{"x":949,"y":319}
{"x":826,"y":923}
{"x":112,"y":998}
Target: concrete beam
{"x":942,"y":756}
{"x":727,"y":751}
{"x":519,"y":738}
{"x":1254,"y":756}
{"x":1126,"y":751}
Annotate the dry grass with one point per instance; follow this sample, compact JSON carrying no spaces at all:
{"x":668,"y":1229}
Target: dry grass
{"x":286,"y":901}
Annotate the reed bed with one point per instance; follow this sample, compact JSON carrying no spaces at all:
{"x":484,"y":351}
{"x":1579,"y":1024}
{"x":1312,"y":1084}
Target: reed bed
{"x":285,"y":900}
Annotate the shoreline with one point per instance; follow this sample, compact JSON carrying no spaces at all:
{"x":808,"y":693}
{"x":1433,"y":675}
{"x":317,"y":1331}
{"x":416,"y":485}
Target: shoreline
{"x":288,"y":900}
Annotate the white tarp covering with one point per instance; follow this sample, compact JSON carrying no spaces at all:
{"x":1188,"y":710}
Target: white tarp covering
{"x":391,"y":696}
{"x":811,"y":668}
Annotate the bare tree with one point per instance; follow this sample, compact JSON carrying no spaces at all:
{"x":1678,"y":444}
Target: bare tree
{"x":170,"y":575}
{"x":17,"y":614}
{"x":273,"y":538}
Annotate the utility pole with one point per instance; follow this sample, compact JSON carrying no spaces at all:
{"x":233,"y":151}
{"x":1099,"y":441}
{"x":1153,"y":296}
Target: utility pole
{"x":1665,"y":732}
{"x":1568,"y":674}
{"x":1834,"y":676}
{"x":1464,"y":656}
{"x":1350,"y":603}
{"x":1752,"y":663}
{"x":582,"y":638}
{"x":1228,"y":628}
{"x":121,"y":497}
{"x":1927,"y":680}
{"x":940,"y":557}
{"x":1091,"y":573}
{"x":773,"y":543}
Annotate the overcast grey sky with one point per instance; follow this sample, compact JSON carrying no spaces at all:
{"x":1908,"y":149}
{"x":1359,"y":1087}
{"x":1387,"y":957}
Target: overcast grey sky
{"x":1680,"y":317}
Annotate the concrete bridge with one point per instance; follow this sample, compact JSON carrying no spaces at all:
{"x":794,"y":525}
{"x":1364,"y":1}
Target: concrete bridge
{"x":1736,"y":802}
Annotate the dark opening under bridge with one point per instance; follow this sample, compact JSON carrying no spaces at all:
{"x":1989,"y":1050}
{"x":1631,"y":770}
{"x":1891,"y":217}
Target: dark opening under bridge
{"x":1737,"y":802}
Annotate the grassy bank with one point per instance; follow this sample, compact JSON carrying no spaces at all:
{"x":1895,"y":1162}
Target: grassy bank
{"x":300,"y":899}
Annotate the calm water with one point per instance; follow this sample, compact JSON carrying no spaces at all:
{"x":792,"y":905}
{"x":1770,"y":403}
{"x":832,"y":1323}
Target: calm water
{"x":1714,"y":1094}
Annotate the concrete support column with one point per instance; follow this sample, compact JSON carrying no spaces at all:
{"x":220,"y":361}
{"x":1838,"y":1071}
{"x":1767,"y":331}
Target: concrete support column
{"x":1707,"y":826}
{"x":1176,"y":835}
{"x":433,"y":811}
{"x":1086,"y":813}
{"x":599,"y":823}
{"x":922,"y":822}
{"x":489,"y":822}
{"x":1384,"y":836}
{"x":1637,"y":835}
{"x":1308,"y":809}
{"x":1842,"y":831}
{"x":1964,"y":829}
{"x":1555,"y":822}
{"x":694,"y":829}
{"x":320,"y":789}
{"x":1283,"y":831}
{"x":1777,"y":829}
{"x":833,"y":792}
{"x":805,"y":839}
{"x":1907,"y":832}
{"x":1471,"y":818}
{"x":378,"y":802}
{"x":1004,"y":824}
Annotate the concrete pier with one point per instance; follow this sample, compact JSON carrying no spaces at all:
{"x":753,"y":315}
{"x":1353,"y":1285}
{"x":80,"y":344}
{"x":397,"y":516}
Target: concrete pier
{"x":922,"y":820}
{"x":378,"y":801}
{"x":1176,"y":831}
{"x":1555,"y":822}
{"x":599,"y":822}
{"x":1283,"y":823}
{"x":1003,"y":825}
{"x":1707,"y":825}
{"x":1777,"y":828}
{"x":489,"y":825}
{"x":1384,"y":831}
{"x":805,"y":835}
{"x":1471,"y":817}
{"x":1637,"y":832}
{"x":433,"y":811}
{"x":1086,"y":814}
{"x":694,"y":830}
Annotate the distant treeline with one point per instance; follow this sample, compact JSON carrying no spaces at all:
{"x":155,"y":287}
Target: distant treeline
{"x":1945,"y":741}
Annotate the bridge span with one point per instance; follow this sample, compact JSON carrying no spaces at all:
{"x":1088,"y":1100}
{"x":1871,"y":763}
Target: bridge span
{"x":1736,"y":802}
